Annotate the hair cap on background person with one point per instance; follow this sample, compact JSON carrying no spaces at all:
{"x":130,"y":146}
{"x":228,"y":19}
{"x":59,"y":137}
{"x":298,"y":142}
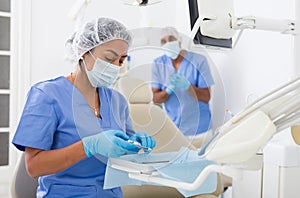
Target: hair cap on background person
{"x":170,"y":31}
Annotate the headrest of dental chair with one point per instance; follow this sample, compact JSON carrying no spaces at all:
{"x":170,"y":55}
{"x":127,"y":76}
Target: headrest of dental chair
{"x":135,"y":90}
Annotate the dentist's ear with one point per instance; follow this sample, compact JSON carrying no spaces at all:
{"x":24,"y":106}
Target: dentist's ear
{"x":80,"y":61}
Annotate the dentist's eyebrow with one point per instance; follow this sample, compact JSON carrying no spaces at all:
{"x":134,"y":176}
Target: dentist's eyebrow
{"x":113,"y":52}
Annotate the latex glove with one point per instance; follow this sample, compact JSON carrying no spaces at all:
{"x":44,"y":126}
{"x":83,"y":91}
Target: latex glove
{"x":144,"y":139}
{"x":170,"y":89}
{"x":111,"y":143}
{"x":179,"y":81}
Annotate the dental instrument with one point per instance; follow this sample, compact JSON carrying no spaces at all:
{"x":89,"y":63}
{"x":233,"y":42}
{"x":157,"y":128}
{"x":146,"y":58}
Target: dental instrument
{"x":139,"y":145}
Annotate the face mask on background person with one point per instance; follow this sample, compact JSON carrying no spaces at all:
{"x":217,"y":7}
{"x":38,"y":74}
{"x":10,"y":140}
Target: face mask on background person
{"x":103,"y":73}
{"x":172,"y":49}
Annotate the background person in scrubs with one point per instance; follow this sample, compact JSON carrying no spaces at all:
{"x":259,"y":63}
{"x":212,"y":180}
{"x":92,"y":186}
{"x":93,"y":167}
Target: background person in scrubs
{"x":181,"y":80}
{"x":71,"y":125}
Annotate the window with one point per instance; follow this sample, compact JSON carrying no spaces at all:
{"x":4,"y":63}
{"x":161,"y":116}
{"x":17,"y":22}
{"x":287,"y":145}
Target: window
{"x":15,"y":26}
{"x":5,"y":6}
{"x":5,"y":68}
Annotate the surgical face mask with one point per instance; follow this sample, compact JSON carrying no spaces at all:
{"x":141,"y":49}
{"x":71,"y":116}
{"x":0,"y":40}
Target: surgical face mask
{"x":172,"y":49}
{"x":103,"y":73}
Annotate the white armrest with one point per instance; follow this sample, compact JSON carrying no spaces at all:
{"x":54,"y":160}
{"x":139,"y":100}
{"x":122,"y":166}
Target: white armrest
{"x":232,"y":172}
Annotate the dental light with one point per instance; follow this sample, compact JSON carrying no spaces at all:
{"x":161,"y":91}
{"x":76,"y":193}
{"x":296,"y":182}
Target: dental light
{"x":140,"y":2}
{"x":76,"y":8}
{"x":77,"y":12}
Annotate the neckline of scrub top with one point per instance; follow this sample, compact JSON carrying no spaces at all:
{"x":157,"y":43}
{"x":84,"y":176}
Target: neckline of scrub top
{"x":170,"y":63}
{"x":100,"y":92}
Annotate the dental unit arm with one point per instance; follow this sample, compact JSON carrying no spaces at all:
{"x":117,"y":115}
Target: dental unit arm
{"x":238,"y":140}
{"x":217,"y":20}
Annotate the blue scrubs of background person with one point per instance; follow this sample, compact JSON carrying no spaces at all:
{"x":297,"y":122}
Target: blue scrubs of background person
{"x":71,"y":125}
{"x":181,"y":80}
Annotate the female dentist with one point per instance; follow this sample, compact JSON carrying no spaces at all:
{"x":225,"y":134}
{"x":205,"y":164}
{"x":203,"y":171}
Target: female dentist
{"x":71,"y":125}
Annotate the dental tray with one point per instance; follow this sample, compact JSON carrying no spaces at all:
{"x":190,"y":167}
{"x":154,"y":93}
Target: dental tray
{"x":137,"y":167}
{"x":147,"y":163}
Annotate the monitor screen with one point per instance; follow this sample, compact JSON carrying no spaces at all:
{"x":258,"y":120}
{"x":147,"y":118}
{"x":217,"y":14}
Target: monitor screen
{"x":201,"y":39}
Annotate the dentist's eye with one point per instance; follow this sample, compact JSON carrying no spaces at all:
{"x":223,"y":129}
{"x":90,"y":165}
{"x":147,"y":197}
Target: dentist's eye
{"x":110,"y":60}
{"x":122,"y":60}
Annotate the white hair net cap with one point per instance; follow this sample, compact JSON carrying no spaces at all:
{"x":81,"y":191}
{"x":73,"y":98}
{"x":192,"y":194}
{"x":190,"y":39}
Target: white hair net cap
{"x":93,"y":34}
{"x":170,"y":31}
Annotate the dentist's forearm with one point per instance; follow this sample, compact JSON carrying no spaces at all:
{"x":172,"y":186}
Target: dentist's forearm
{"x":159,"y":96}
{"x":200,"y":94}
{"x":45,"y":162}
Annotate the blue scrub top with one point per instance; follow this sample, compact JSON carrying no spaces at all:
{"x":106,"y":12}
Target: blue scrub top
{"x":191,"y":116}
{"x":56,"y":115}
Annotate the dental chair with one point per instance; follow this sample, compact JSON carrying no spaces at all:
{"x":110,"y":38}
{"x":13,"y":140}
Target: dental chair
{"x":236,"y":146}
{"x":22,"y":185}
{"x":152,"y":119}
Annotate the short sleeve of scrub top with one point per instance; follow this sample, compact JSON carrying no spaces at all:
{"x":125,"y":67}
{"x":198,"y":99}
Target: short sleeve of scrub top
{"x":205,"y":78}
{"x":39,"y":120}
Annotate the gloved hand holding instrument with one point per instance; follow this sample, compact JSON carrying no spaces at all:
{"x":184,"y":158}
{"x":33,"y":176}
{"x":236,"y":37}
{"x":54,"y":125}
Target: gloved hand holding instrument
{"x":114,"y":143}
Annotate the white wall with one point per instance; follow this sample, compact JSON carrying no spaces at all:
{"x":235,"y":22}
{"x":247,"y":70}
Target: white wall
{"x":51,"y":27}
{"x":261,"y":60}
